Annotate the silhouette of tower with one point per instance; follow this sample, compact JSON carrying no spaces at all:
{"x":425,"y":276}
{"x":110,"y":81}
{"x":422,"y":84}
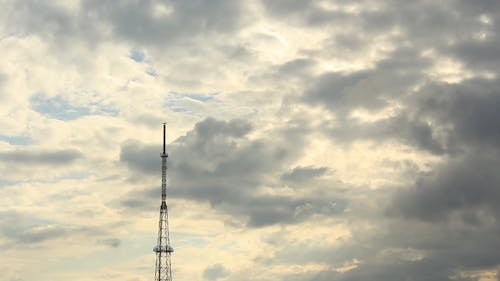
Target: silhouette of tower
{"x":163,"y":249}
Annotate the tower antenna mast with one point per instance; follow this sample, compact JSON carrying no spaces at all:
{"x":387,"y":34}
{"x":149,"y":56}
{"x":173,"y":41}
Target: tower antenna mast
{"x":163,"y":249}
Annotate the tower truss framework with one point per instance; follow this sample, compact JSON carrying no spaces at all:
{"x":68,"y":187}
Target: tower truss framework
{"x":163,"y":248}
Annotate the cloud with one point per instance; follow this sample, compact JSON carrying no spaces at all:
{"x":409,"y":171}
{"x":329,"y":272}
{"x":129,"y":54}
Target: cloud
{"x":110,"y":242}
{"x":301,"y":174}
{"x":399,"y":99}
{"x":455,"y":199}
{"x":467,"y":185}
{"x":440,"y":118}
{"x":300,"y":67}
{"x":138,"y":156}
{"x":146,"y":23}
{"x":467,"y":109}
{"x":21,"y":229}
{"x":24,"y":229}
{"x":217,"y":163}
{"x":184,"y":20}
{"x":422,"y":270}
{"x":447,"y":219}
{"x":372,"y":89}
{"x":216,"y":271}
{"x":56,"y":157}
{"x":401,"y":128}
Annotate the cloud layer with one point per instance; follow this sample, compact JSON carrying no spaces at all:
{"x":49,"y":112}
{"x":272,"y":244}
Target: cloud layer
{"x":308,"y":140}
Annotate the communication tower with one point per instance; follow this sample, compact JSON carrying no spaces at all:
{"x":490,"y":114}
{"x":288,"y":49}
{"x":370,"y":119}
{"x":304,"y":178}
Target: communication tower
{"x":163,"y":249}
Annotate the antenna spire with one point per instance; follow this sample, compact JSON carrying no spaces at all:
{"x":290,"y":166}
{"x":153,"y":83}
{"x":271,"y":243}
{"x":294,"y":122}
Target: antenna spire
{"x":164,"y":136}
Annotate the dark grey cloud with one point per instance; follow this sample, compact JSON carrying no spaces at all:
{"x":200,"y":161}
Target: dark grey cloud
{"x":35,"y":234}
{"x":401,"y":128}
{"x":309,"y":13}
{"x":136,"y":21}
{"x":30,"y":230}
{"x":450,"y":215}
{"x":441,"y":118}
{"x":216,"y":271}
{"x":299,"y":67}
{"x":450,"y":29}
{"x":218,"y":164}
{"x":469,"y":108}
{"x":469,"y":185}
{"x":478,"y":50}
{"x":479,"y":54}
{"x":56,"y":157}
{"x":406,"y":248}
{"x":290,"y":75}
{"x":300,"y":174}
{"x":287,"y":7}
{"x":255,"y":210}
{"x":23,"y":229}
{"x":455,"y":30}
{"x":110,"y":242}
{"x":444,"y":223}
{"x":211,"y":128}
{"x":459,"y":243}
{"x":449,"y":218}
{"x":421,"y":270}
{"x":143,"y":23}
{"x":373,"y":89}
{"x":35,"y":17}
{"x":205,"y":139}
{"x":139,"y":157}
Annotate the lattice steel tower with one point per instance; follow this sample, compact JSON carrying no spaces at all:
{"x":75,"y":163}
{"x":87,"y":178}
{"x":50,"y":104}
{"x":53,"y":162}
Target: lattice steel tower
{"x":163,"y":249}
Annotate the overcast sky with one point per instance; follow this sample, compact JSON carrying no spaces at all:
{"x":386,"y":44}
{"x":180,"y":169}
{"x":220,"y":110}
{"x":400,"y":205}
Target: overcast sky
{"x":308,"y":140}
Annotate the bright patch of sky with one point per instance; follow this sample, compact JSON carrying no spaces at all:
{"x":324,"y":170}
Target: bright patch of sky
{"x":60,"y":108}
{"x":137,"y":55}
{"x":189,"y":102}
{"x":17,"y":140}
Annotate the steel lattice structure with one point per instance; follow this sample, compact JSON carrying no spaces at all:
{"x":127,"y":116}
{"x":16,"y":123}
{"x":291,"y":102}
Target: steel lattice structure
{"x":163,"y":249}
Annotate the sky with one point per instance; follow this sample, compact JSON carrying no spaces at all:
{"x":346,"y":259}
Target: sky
{"x":307,"y":140}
